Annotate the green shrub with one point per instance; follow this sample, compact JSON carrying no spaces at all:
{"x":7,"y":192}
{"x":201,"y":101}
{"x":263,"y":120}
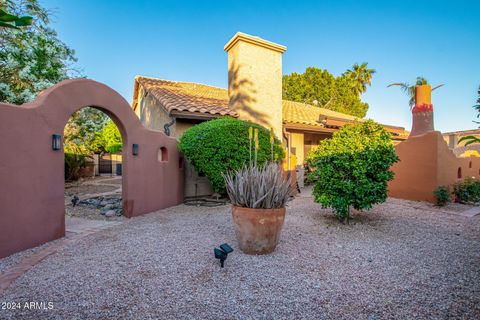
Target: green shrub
{"x":352,"y":168}
{"x":74,"y":162}
{"x":442,"y":195}
{"x":222,"y":145}
{"x":467,"y":191}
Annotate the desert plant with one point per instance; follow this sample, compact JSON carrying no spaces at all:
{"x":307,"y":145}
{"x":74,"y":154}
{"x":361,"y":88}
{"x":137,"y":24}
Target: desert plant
{"x":352,"y":168}
{"x":442,"y":195}
{"x":467,"y":191}
{"x":264,"y":187}
{"x":222,"y":145}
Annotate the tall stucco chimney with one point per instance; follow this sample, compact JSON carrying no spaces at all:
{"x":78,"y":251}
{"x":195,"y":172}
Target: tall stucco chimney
{"x":255,"y":80}
{"x":422,"y":113}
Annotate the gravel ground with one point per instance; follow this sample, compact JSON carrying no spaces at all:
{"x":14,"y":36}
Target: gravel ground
{"x":397,"y":261}
{"x":88,"y":189}
{"x":87,"y":212}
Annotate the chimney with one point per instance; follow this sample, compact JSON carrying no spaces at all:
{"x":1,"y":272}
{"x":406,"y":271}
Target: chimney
{"x":422,"y":113}
{"x":255,"y":80}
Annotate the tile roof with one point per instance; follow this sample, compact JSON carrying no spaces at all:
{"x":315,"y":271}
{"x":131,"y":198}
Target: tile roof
{"x":186,"y":96}
{"x":296,"y":112}
{"x":195,"y":98}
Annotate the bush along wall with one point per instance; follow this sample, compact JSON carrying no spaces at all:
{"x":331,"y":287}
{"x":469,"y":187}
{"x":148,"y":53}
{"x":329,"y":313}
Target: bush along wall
{"x":219,"y":146}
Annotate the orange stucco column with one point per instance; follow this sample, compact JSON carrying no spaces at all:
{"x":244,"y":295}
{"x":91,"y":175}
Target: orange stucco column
{"x":422,"y":113}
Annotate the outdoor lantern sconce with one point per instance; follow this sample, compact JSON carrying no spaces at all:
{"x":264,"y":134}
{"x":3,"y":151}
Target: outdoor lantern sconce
{"x":56,"y":142}
{"x":222,"y":253}
{"x":135,"y":149}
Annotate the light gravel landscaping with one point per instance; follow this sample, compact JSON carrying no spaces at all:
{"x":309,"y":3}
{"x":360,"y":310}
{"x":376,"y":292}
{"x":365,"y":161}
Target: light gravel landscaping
{"x":403,"y":260}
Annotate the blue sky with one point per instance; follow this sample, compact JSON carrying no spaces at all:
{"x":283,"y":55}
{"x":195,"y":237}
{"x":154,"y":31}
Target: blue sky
{"x":183,"y":40}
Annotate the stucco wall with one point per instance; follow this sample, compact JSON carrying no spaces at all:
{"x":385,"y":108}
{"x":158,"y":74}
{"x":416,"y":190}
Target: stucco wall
{"x":32,"y":209}
{"x":426,"y":162}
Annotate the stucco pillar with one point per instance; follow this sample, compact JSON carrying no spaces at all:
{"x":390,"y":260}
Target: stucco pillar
{"x":255,"y":80}
{"x":422,"y":113}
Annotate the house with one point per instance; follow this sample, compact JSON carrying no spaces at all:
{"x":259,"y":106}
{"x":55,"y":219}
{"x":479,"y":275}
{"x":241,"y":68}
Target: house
{"x":254,"y":93}
{"x":460,"y":149}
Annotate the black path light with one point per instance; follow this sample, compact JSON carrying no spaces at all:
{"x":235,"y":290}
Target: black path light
{"x":222,"y":253}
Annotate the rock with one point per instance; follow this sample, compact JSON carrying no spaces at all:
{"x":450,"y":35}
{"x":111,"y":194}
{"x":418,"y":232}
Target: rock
{"x":110,"y":213}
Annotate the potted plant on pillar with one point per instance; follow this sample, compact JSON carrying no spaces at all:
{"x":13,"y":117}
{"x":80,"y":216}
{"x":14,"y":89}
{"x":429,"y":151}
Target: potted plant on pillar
{"x":258,"y":196}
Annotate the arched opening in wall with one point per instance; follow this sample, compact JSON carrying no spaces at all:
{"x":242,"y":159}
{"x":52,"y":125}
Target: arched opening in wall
{"x":162,"y":155}
{"x":459,"y":173}
{"x":93,"y":145}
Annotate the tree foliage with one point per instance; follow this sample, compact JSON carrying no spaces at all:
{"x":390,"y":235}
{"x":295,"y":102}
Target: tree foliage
{"x":352,"y":168}
{"x":31,"y":60}
{"x":320,"y":88}
{"x":83,"y":130}
{"x":109,"y":139}
{"x":411,"y":89}
{"x":12,"y":21}
{"x":361,"y":76}
{"x":219,"y":146}
{"x":473,"y":139}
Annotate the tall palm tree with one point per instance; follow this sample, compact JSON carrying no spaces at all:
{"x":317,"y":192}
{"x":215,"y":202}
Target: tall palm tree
{"x":361,"y":76}
{"x":410,"y":89}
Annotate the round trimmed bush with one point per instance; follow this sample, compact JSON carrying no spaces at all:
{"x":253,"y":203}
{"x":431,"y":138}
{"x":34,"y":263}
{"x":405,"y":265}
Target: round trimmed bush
{"x":222,"y":145}
{"x":352,"y":168}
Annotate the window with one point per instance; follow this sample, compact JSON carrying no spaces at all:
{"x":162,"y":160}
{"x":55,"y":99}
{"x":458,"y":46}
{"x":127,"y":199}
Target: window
{"x":162,"y":155}
{"x":459,"y":173}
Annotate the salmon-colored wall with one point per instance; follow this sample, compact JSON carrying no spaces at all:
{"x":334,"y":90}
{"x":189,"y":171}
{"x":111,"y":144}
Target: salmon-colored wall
{"x":426,"y":162}
{"x":32,"y":174}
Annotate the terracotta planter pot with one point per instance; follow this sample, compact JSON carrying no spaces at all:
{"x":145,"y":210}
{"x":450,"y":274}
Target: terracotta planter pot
{"x":258,"y":230}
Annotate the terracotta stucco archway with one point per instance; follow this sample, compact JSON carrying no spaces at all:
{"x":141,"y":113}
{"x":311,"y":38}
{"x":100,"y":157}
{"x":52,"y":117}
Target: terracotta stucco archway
{"x":31,"y":178}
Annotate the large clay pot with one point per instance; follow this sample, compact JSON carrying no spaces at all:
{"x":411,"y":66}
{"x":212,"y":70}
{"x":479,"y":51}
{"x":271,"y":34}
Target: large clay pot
{"x":258,"y":230}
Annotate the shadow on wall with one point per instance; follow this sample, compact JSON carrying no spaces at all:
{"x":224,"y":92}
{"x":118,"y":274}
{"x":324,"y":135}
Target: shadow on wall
{"x":242,"y":94}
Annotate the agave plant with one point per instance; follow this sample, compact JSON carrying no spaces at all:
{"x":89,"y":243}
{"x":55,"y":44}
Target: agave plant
{"x":410,"y":89}
{"x":263,"y":187}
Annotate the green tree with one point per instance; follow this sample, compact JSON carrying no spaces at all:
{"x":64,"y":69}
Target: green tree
{"x":109,"y":139}
{"x":352,"y":168}
{"x":410,"y":89}
{"x":320,"y":88}
{"x":33,"y":60}
{"x":472,"y":139}
{"x":82,"y":131}
{"x":219,"y":146}
{"x":12,"y":21}
{"x":361,"y":76}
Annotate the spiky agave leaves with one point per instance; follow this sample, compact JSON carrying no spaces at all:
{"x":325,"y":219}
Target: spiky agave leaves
{"x":255,"y":187}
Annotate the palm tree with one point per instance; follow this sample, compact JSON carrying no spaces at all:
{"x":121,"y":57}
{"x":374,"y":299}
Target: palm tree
{"x":361,"y":76}
{"x":410,"y":89}
{"x":473,"y":139}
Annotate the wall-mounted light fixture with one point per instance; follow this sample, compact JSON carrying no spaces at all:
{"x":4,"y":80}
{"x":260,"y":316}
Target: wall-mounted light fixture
{"x":56,"y":142}
{"x":135,"y":149}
